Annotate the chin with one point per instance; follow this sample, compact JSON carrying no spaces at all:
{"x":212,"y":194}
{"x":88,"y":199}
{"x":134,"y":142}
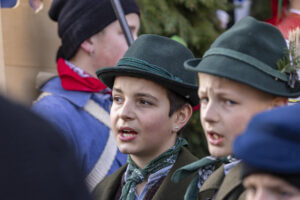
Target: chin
{"x":125,"y":149}
{"x":218,"y":152}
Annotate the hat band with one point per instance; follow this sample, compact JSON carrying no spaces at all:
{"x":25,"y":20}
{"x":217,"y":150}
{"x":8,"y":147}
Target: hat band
{"x":246,"y":59}
{"x":147,"y":67}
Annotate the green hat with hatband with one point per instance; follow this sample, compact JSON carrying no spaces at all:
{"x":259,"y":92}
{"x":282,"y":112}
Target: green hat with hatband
{"x":249,"y":53}
{"x":158,"y":59}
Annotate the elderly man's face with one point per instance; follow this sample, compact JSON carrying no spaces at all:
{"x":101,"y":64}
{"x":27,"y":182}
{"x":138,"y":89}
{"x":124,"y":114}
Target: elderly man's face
{"x":268,"y":187}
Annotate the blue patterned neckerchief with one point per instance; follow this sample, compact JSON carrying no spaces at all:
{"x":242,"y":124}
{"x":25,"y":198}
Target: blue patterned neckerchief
{"x":138,"y":175}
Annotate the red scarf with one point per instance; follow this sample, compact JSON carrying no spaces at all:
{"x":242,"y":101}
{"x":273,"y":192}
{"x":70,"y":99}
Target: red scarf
{"x":70,"y":80}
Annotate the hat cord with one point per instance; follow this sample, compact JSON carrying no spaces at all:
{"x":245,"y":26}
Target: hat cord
{"x":247,"y":59}
{"x":147,"y":67}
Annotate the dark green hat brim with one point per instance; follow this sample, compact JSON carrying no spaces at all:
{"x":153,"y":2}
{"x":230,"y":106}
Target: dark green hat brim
{"x":107,"y":76}
{"x":241,"y":72}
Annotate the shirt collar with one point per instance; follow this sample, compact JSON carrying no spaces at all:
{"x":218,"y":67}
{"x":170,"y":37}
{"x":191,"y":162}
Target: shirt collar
{"x":227,"y":167}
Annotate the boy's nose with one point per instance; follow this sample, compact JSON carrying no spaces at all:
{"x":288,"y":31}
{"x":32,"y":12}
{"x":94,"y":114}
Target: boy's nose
{"x":209,"y":113}
{"x":126,"y":112}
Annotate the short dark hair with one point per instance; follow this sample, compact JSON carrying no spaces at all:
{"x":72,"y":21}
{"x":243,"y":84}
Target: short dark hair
{"x":176,"y":101}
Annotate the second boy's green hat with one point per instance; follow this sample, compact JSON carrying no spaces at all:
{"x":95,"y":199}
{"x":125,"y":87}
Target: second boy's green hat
{"x":159,"y":59}
{"x":249,"y":53}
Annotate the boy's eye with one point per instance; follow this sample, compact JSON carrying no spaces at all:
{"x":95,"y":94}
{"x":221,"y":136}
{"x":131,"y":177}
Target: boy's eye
{"x":145,"y":102}
{"x":117,"y":99}
{"x":284,"y":194}
{"x":251,"y":190}
{"x":229,"y":102}
{"x":203,"y":100}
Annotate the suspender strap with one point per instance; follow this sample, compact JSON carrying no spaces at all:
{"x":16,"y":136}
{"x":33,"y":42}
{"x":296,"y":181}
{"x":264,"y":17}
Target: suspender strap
{"x":106,"y":159}
{"x":42,"y":95}
{"x":98,"y":112}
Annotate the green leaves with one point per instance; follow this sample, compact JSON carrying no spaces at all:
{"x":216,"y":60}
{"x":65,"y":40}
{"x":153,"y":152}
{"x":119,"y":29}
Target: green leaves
{"x":193,"y":20}
{"x":290,"y":64}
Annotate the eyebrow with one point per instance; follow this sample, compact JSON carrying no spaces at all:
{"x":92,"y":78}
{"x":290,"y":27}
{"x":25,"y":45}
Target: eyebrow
{"x":146,"y":95}
{"x":117,"y":90}
{"x":201,"y":91}
{"x":137,"y":94}
{"x":219,"y":93}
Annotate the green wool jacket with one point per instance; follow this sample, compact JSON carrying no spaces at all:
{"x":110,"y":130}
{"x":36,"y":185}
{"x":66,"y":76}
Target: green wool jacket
{"x":221,"y":187}
{"x":107,"y":189}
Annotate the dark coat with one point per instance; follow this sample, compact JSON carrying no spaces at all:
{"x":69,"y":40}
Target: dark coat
{"x":107,"y":189}
{"x":221,"y":187}
{"x":36,"y":161}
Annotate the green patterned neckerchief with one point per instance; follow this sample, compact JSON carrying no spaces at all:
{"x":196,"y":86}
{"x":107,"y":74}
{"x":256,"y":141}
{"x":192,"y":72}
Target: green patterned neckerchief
{"x":205,"y":168}
{"x":138,"y":175}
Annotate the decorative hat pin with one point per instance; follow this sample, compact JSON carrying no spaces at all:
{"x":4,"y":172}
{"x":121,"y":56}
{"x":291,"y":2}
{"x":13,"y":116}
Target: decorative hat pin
{"x":291,"y":64}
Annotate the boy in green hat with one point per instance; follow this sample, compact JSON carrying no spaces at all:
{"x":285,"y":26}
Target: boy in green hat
{"x":152,"y":101}
{"x":239,"y":76}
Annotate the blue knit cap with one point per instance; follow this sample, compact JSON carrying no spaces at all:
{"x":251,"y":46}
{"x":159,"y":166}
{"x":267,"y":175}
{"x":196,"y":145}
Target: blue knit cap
{"x":271,"y":143}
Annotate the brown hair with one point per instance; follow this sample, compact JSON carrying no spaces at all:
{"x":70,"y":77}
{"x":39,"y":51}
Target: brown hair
{"x":176,"y":101}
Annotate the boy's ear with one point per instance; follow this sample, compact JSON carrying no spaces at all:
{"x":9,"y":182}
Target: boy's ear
{"x":279,"y":101}
{"x":88,"y":45}
{"x":182,"y":116}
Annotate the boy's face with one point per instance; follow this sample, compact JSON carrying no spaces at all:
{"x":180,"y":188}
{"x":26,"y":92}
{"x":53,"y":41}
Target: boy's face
{"x":139,"y":118}
{"x":110,"y":43}
{"x":226,"y":108}
{"x":268,"y":187}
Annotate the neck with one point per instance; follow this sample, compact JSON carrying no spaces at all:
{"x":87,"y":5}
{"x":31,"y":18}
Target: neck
{"x":143,"y":160}
{"x":84,"y":63}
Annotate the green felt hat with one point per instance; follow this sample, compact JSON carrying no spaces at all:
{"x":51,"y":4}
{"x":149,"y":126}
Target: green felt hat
{"x":159,"y":59}
{"x":248,"y":53}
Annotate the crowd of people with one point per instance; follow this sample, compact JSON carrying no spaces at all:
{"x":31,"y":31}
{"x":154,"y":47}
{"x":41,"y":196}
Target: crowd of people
{"x":109,"y":125}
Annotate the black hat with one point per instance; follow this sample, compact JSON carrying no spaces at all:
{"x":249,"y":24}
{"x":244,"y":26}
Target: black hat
{"x":80,"y":19}
{"x":159,"y":59}
{"x":248,"y":53}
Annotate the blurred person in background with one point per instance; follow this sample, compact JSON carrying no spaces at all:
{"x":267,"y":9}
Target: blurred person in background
{"x":36,"y":161}
{"x":269,"y":149}
{"x":76,"y":102}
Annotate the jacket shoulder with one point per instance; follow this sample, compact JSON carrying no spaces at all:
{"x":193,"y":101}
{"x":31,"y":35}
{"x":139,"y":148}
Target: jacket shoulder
{"x":232,"y":187}
{"x":221,"y":187}
{"x":108,"y":187}
{"x":171,"y":190}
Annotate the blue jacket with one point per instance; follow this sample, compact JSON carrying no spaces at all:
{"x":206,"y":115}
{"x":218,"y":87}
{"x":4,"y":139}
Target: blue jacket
{"x":87,"y":135}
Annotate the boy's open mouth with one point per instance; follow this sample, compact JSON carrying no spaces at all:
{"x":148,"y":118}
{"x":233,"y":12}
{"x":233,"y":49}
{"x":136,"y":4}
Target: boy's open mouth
{"x":215,"y":138}
{"x":127,"y":134}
